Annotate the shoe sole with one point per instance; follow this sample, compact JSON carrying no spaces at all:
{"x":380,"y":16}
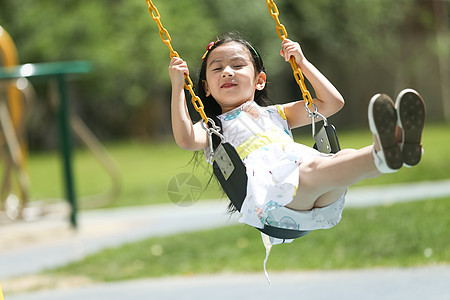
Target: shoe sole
{"x":383,"y":122}
{"x":411,"y":119}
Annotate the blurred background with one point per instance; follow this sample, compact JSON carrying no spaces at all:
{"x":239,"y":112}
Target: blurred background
{"x":363,"y":47}
{"x":124,"y":154}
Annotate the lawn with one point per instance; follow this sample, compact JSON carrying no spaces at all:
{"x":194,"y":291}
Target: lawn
{"x":146,"y":169}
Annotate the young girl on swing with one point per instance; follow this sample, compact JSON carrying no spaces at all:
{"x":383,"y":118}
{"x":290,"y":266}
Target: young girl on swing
{"x":281,"y":172}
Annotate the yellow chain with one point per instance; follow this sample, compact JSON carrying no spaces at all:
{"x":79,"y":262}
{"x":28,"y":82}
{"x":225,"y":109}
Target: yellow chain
{"x":282,"y":34}
{"x":165,"y":37}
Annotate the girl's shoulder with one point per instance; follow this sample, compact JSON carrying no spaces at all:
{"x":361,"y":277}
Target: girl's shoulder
{"x":276,"y":109}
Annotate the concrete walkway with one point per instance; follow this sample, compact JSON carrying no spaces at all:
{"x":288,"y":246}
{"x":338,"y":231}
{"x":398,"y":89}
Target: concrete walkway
{"x":28,"y":247}
{"x":385,"y":284}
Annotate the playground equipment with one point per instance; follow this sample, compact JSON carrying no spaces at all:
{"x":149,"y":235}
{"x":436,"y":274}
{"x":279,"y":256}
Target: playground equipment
{"x":15,"y":92}
{"x":12,"y":140}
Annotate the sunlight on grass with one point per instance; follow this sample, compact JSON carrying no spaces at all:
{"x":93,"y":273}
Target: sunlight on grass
{"x":146,"y":168}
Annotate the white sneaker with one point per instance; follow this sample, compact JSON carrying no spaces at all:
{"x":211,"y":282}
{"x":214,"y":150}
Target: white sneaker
{"x":383,"y":122}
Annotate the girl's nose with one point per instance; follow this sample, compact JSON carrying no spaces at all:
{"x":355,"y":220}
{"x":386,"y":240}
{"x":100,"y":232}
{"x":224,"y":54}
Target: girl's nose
{"x":227,"y":72}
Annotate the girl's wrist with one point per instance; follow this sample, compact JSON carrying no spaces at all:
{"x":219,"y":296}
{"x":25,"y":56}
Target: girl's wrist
{"x":177,"y":87}
{"x":302,"y":63}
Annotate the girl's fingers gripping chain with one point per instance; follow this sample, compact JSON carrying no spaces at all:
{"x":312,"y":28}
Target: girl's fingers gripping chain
{"x":289,"y":49}
{"x":179,"y":65}
{"x":177,"y":70}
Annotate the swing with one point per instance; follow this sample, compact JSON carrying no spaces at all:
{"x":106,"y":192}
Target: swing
{"x":228,"y":167}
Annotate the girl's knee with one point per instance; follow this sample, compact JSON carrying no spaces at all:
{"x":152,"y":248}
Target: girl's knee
{"x":310,"y":175}
{"x":344,"y":152}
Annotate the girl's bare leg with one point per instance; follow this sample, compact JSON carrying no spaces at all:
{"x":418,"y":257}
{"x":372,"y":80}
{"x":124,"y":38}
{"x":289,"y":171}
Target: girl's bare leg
{"x":325,"y":179}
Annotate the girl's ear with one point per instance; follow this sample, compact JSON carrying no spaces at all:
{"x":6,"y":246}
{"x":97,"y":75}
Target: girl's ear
{"x":206,"y":88}
{"x":261,"y":81}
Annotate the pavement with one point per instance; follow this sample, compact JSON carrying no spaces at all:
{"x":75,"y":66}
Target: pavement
{"x":386,"y":284}
{"x":31,"y":246}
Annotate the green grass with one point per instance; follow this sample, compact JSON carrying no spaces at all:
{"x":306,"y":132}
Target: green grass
{"x":146,"y":168}
{"x":401,"y":235}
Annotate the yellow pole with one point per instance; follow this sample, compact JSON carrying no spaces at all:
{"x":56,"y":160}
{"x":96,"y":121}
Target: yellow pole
{"x":9,"y":57}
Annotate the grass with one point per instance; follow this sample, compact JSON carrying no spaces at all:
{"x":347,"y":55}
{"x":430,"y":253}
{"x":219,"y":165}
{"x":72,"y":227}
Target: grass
{"x":147,"y":168}
{"x":401,"y":235}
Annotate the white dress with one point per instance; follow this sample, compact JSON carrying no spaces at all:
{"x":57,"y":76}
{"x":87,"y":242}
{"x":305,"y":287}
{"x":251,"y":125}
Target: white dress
{"x":263,"y":140}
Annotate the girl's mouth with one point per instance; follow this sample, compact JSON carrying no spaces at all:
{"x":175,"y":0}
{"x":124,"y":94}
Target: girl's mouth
{"x":228,"y":85}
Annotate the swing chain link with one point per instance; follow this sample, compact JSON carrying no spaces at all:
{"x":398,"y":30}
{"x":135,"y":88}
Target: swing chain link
{"x":165,"y":37}
{"x":282,"y":34}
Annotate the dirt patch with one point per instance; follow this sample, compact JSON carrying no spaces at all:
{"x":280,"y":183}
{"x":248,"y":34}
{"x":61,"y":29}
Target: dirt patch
{"x":42,"y":282}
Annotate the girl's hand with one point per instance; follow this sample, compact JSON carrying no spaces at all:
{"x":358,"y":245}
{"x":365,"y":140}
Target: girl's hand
{"x":290,"y":48}
{"x":177,"y":69}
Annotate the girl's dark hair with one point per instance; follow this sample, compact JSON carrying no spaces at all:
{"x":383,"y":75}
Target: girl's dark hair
{"x":212,"y":108}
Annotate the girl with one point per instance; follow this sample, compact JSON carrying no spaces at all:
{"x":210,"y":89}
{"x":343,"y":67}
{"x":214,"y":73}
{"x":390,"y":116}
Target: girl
{"x":290,"y":185}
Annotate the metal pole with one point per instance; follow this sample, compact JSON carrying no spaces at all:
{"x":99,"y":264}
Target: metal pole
{"x":66,"y":148}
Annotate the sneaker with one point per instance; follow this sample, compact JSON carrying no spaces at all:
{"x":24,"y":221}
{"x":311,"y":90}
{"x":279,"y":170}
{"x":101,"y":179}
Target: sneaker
{"x":383,"y":122}
{"x":411,"y":120}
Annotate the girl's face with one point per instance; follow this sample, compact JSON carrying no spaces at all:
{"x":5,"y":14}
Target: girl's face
{"x":230,"y":76}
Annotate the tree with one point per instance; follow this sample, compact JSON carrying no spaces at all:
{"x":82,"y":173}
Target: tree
{"x":364,"y":47}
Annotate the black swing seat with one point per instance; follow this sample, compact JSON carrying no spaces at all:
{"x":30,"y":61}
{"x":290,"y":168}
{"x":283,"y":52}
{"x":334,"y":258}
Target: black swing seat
{"x":327,"y":140}
{"x":231,"y":173}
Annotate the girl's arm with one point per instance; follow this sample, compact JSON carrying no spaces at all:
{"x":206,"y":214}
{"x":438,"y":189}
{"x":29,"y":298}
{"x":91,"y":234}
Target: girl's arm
{"x":328,"y":101}
{"x":187,"y":135}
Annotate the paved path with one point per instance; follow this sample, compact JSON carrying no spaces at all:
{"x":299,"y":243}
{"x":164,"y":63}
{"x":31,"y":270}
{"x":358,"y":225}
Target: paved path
{"x":385,"y":284}
{"x":394,"y":193}
{"x":28,"y":247}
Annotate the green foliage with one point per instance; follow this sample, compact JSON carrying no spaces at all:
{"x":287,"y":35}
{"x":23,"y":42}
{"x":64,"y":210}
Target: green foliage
{"x":363,"y":47}
{"x":353,"y":25}
{"x":122,"y":41}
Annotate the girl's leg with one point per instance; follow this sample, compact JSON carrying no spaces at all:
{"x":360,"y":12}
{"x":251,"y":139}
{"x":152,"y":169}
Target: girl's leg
{"x":325,"y":179}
